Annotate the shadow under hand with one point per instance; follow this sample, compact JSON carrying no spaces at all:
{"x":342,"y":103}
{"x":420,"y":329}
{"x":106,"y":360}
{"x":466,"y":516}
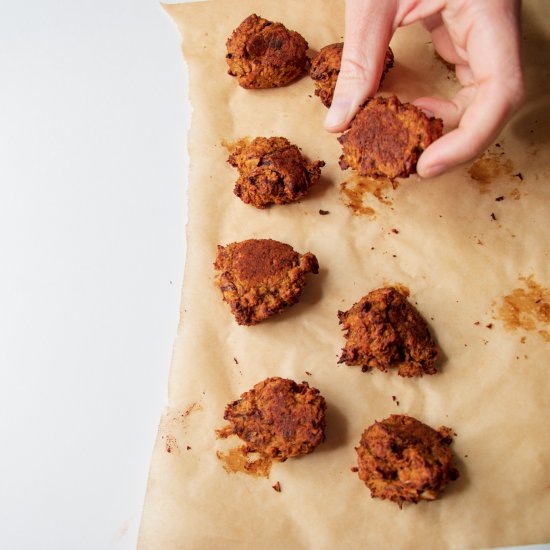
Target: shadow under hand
{"x":532,"y":122}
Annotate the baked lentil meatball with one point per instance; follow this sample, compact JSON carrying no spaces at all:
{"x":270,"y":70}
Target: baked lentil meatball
{"x":278,"y":418}
{"x":272,"y":171}
{"x":265,"y":54}
{"x":325,"y":68}
{"x":404,"y":460}
{"x":261,"y":277}
{"x":386,"y":138}
{"x":384,"y":330}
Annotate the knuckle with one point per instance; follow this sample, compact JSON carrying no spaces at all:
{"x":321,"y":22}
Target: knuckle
{"x":514,"y":88}
{"x":354,"y":70}
{"x":518,"y":93}
{"x":514,"y":95}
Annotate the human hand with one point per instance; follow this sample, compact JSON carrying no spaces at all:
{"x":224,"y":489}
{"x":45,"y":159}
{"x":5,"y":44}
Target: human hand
{"x":482,"y":40}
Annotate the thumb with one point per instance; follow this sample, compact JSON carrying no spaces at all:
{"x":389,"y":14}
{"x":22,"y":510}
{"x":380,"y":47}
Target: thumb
{"x":368,"y":31}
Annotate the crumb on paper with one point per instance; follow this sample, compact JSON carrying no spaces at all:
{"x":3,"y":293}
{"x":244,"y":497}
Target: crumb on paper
{"x":323,"y":212}
{"x":190,"y":409}
{"x":170,"y":443}
{"x":277,"y":487}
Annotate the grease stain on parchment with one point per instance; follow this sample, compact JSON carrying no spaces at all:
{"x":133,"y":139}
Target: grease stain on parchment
{"x":239,"y":460}
{"x":232,"y":146}
{"x":493,"y":167}
{"x":515,"y":194}
{"x":359,"y":191}
{"x":526,"y":308}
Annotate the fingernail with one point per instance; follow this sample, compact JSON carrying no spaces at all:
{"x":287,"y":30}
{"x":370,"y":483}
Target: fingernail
{"x":337,"y":113}
{"x":433,"y":171}
{"x":418,"y":103}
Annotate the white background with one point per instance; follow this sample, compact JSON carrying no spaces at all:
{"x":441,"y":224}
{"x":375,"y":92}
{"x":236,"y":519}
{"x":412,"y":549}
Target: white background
{"x":93,"y":123}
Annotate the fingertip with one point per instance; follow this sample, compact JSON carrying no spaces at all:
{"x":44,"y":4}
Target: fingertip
{"x":427,"y":171}
{"x":335,"y":119}
{"x":425,"y":104}
{"x":339,"y":115}
{"x":445,"y":154}
{"x":430,"y":164}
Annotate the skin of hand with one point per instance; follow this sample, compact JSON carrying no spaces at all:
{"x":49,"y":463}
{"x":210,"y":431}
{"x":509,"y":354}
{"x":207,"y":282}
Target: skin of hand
{"x":480,"y":37}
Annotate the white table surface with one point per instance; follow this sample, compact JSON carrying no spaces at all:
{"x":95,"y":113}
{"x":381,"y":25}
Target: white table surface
{"x":93,"y":122}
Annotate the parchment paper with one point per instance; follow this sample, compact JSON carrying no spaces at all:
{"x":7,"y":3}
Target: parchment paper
{"x":472,"y":246}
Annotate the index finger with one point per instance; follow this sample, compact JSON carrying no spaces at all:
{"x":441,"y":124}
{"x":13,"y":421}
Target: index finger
{"x":368,"y":30}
